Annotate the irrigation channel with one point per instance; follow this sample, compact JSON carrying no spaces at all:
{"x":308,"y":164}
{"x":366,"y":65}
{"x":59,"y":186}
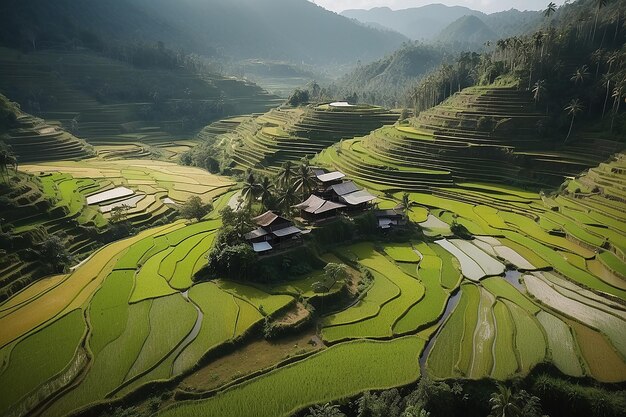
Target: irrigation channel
{"x":177,"y":367}
{"x":512,"y":276}
{"x":453,"y":300}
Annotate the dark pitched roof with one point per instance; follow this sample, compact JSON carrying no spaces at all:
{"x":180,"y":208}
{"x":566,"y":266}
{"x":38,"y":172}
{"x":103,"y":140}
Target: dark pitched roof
{"x":268,"y":218}
{"x":344,"y":188}
{"x":316,"y":205}
{"x":331,"y":176}
{"x":358,"y":197}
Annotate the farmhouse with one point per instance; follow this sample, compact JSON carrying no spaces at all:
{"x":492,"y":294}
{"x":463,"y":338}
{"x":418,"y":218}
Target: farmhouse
{"x":273,"y":231}
{"x":333,"y":195}
{"x":316,"y":208}
{"x":389,"y":218}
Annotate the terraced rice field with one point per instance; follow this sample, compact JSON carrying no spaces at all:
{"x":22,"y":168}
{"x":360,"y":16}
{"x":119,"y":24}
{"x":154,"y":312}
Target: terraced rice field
{"x":158,"y":182}
{"x":264,"y":142}
{"x":540,"y":280}
{"x":65,"y":82}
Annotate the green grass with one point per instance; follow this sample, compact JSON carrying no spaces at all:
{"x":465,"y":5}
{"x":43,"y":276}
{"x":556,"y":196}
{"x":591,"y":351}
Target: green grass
{"x":530,"y":341}
{"x":111,"y":365}
{"x":130,"y":260}
{"x":148,"y":282}
{"x":563,"y":347}
{"x":171,"y":319}
{"x":429,"y":308}
{"x":39,"y":357}
{"x":108,"y":311}
{"x":445,"y":354}
{"x":380,"y":325}
{"x":450,"y":274}
{"x":262,"y":301}
{"x":483,"y":337}
{"x":469,"y":328}
{"x":502,"y":289}
{"x":325,"y":376}
{"x":218,"y":324}
{"x":562,"y":266}
{"x":532,"y":229}
{"x":505,"y":362}
{"x":613,"y":262}
{"x":402,"y":252}
{"x":191,"y":263}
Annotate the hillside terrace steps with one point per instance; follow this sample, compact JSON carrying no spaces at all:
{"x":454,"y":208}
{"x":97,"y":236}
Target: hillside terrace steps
{"x":446,"y":138}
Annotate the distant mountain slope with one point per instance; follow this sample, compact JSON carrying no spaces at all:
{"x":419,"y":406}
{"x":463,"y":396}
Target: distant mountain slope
{"x":418,"y":23}
{"x":381,"y":81}
{"x":427,"y":22}
{"x":294,"y":30}
{"x":467,"y":30}
{"x":513,"y":22}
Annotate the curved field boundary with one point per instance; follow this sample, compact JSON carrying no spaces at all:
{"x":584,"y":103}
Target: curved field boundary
{"x":562,"y":345}
{"x":504,"y":362}
{"x":219,"y":323}
{"x":148,"y":282}
{"x":483,"y":338}
{"x":39,"y":358}
{"x":381,"y":325}
{"x":470,"y":268}
{"x":77,"y":289}
{"x":470,"y":320}
{"x":442,"y":360}
{"x":430,"y":308}
{"x":530,"y":341}
{"x":110,"y":366}
{"x":564,"y":267}
{"x":380,"y":293}
{"x":319,"y":378}
{"x":607,"y":323}
{"x":486,"y":262}
{"x":31,"y":292}
{"x":603,"y":362}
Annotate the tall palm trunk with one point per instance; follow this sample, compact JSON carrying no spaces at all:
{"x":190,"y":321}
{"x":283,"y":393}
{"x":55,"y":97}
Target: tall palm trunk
{"x":571,"y":125}
{"x":606,"y":99}
{"x":615,"y":111}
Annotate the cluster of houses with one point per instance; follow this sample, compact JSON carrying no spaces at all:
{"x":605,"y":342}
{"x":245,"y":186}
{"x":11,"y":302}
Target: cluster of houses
{"x":332,"y":195}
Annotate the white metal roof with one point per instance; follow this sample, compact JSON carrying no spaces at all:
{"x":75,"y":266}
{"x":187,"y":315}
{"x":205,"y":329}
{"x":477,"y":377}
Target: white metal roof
{"x":311,"y":204}
{"x":108,"y":195}
{"x":331,"y":176}
{"x":344,"y":188}
{"x":261,"y":247}
{"x":256,"y":233}
{"x":287,"y":231}
{"x":358,"y":197}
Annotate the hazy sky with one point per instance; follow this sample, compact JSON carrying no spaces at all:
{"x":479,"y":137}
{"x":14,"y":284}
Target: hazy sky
{"x":487,"y":6}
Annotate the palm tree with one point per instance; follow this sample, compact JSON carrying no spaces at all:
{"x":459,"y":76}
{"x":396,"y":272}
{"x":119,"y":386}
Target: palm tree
{"x":618,"y":93}
{"x":599,"y":4}
{"x":265,"y":190}
{"x":550,"y":10}
{"x":406,"y":205}
{"x":503,"y":403}
{"x":287,"y":198}
{"x":325,"y":410}
{"x":581,"y":74}
{"x":249,"y":190}
{"x":539,"y":90}
{"x":597,"y":56}
{"x":304,"y":179}
{"x":285,"y":174}
{"x":610,"y":60}
{"x":573,"y":109}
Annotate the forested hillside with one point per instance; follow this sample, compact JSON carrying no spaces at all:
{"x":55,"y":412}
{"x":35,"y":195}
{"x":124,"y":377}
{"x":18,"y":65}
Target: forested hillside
{"x":293,"y":30}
